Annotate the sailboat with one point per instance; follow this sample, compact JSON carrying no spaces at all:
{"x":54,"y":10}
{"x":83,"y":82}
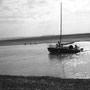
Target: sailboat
{"x":61,"y":48}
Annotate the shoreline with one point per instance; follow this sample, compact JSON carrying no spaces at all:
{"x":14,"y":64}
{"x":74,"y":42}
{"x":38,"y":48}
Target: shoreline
{"x":11,"y":82}
{"x":8,"y":82}
{"x":40,"y":40}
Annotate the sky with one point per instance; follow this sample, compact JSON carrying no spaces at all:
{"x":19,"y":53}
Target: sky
{"x":29,"y":18}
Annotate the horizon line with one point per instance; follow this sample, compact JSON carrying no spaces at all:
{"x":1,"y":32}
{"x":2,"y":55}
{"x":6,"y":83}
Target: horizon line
{"x":10,"y":38}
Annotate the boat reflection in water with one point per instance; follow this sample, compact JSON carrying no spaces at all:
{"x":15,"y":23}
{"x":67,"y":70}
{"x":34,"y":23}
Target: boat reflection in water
{"x":60,"y":56}
{"x":64,"y":65}
{"x":59,"y":63}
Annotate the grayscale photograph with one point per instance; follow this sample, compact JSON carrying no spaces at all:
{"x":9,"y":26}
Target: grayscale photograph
{"x":44,"y":44}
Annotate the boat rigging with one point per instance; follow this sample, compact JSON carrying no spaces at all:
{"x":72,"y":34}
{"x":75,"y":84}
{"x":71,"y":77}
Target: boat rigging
{"x":60,"y":48}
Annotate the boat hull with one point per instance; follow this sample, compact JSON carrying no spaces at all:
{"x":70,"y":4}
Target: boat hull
{"x":62,"y":50}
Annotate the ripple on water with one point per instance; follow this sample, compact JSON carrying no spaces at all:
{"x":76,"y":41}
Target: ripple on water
{"x":79,"y":65}
{"x":36,"y":60}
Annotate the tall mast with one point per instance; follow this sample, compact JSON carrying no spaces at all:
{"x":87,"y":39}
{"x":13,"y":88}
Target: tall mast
{"x":61,"y":23}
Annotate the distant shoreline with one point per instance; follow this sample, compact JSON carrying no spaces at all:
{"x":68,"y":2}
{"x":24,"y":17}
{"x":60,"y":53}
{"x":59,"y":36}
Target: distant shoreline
{"x":45,"y":39}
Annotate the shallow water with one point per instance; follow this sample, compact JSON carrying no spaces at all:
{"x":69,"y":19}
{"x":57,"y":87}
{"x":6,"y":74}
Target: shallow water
{"x":36,"y":60}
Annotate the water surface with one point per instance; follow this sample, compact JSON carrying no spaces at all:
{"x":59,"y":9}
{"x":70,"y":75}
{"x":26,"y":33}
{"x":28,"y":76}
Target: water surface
{"x":36,"y":60}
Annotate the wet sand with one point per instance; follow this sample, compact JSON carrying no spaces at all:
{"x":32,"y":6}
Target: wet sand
{"x":42,"y":83}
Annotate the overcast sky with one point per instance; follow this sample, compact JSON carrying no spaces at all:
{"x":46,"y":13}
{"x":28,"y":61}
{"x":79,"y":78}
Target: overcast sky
{"x":27,"y":18}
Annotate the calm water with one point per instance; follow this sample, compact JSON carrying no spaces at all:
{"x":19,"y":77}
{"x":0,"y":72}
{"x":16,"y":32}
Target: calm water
{"x":36,"y":60}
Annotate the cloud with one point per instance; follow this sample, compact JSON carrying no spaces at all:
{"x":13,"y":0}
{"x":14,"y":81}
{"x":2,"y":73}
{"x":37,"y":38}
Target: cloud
{"x":16,"y":9}
{"x":80,"y":6}
{"x":36,"y":2}
{"x":34,"y":17}
{"x":39,"y":9}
